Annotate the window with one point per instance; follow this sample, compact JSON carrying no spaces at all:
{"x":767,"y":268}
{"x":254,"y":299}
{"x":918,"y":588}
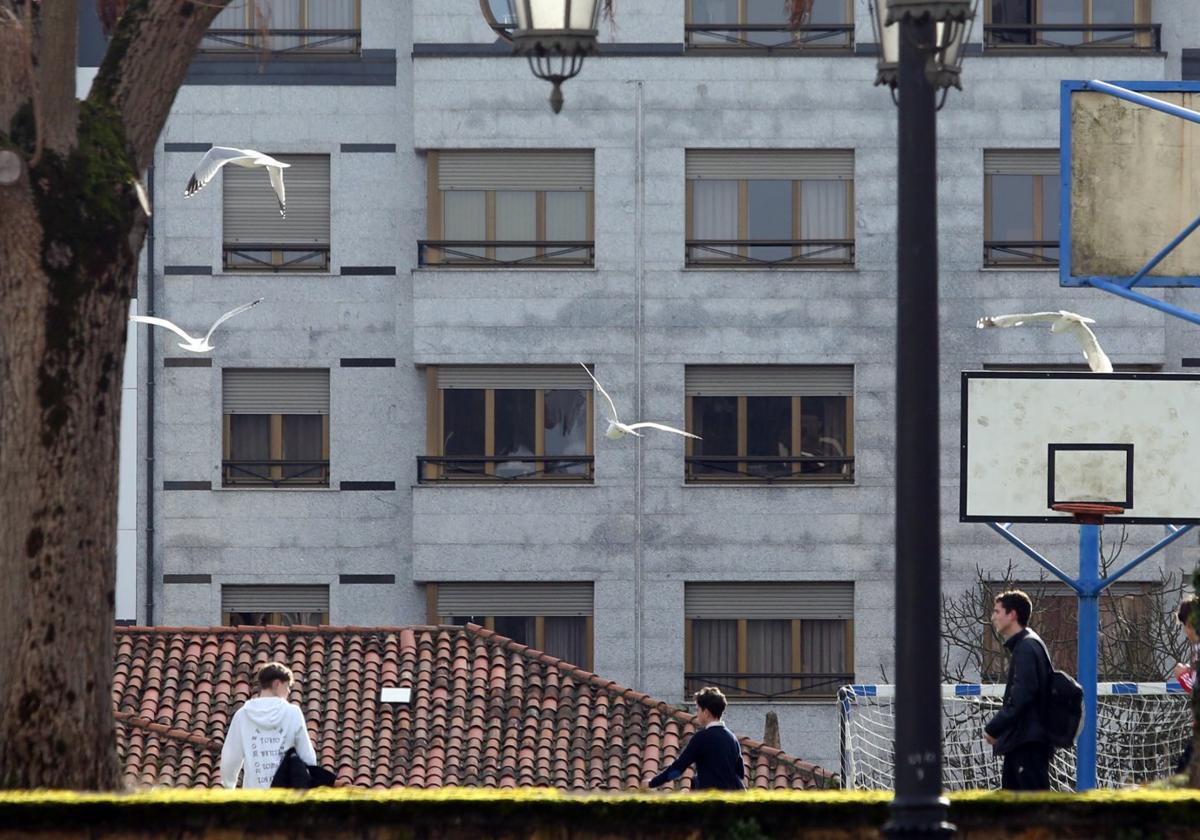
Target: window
{"x":286,"y":27}
{"x":276,"y":429}
{"x":257,"y":237}
{"x":280,"y":605}
{"x":1126,"y":649}
{"x":770,"y":423}
{"x":520,"y":423}
{"x":770,"y":208}
{"x":1070,"y":24}
{"x":769,"y":641}
{"x":555,"y":618}
{"x":1021,"y":199}
{"x":763,"y":24}
{"x":509,"y":209}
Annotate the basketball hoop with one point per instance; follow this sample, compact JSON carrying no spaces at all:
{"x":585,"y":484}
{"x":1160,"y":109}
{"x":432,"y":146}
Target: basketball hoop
{"x":1089,"y":513}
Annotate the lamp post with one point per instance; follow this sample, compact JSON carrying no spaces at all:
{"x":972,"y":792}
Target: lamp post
{"x":555,"y":35}
{"x":921,"y":48}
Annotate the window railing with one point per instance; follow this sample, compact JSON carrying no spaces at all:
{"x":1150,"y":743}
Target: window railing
{"x":274,"y":257}
{"x":770,"y":253}
{"x":1073,"y":36}
{"x":768,"y":686}
{"x":275,"y":473}
{"x":770,"y":36}
{"x":1009,"y":252}
{"x":504,"y":468}
{"x":282,"y":42}
{"x":504,"y":254}
{"x":769,"y":468}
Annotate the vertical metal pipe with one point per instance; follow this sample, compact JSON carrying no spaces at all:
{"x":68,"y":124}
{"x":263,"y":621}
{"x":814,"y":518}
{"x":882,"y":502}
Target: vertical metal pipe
{"x":918,"y":809}
{"x":1089,"y":626}
{"x":639,"y":327}
{"x":149,"y":344}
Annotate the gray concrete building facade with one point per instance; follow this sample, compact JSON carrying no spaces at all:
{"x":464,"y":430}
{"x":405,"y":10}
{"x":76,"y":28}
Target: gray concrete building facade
{"x":417,"y":127}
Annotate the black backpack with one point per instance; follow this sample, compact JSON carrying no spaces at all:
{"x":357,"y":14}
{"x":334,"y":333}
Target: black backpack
{"x":1062,"y":706}
{"x":294,"y":773}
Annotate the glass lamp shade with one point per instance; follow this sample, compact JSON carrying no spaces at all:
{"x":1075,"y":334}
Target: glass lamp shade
{"x":953,"y":19}
{"x":555,"y":15}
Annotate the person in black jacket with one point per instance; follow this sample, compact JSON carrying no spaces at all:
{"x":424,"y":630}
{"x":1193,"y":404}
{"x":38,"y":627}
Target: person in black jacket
{"x":713,"y":749}
{"x":1016,"y":731}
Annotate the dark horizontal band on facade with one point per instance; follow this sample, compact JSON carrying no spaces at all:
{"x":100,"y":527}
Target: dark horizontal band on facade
{"x":186,"y":147}
{"x":187,"y":485}
{"x":187,"y":269}
{"x":368,"y":68}
{"x":187,"y":578}
{"x":369,"y":362}
{"x":349,"y":148}
{"x":367,"y":270}
{"x":367,"y":485}
{"x":502,"y":49}
{"x":187,"y":361}
{"x":1190,"y":361}
{"x":352,"y":579}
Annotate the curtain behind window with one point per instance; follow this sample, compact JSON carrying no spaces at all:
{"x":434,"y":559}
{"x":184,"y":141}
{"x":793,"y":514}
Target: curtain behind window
{"x":303,"y":440}
{"x":714,"y":216}
{"x":714,"y":654}
{"x":516,"y":218}
{"x":822,"y":651}
{"x":565,"y":638}
{"x":824,"y":215}
{"x":769,"y":651}
{"x":464,"y":219}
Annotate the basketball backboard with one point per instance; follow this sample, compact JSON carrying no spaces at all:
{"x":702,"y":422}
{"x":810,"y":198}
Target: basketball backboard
{"x":1033,"y":439}
{"x":1130,"y":182}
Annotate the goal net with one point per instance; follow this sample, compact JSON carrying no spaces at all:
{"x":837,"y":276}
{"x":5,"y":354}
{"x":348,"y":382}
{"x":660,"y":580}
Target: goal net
{"x":1142,"y":729}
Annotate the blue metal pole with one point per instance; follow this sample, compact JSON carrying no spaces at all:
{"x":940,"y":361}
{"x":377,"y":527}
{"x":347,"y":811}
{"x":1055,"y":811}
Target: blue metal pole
{"x":1089,"y":627}
{"x":1154,"y":303}
{"x":1143,"y":100}
{"x":1163,"y":254}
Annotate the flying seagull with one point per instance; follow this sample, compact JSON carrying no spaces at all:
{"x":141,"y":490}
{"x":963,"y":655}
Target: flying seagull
{"x":617,"y":429}
{"x":218,"y":156}
{"x":194,"y":345}
{"x":1060,"y":321}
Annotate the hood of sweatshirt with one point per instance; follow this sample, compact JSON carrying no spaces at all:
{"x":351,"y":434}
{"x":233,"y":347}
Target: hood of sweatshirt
{"x":266,"y":712}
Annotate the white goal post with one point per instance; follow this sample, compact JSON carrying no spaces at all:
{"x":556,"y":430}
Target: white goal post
{"x":1142,"y":729}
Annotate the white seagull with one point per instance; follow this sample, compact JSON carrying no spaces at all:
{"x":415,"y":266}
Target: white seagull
{"x":194,"y":345}
{"x":1061,"y":321}
{"x":218,"y":156}
{"x":617,"y":429}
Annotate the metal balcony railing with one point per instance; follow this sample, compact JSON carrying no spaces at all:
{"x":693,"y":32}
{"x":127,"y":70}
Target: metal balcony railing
{"x":770,"y":36}
{"x":1073,"y":37}
{"x":505,"y":254}
{"x":283,"y":42}
{"x":275,"y":473}
{"x":768,"y":686}
{"x":769,"y":468}
{"x":266,"y":256}
{"x":504,"y":468}
{"x":770,"y":253}
{"x":1011,"y":252}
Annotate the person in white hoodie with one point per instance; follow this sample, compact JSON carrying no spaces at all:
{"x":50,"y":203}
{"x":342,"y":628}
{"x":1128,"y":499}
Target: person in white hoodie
{"x":263,"y":730}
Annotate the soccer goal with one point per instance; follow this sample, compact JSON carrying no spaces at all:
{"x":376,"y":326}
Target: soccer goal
{"x":1142,"y":729}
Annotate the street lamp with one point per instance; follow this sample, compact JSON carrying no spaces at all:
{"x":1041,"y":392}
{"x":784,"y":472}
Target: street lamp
{"x":921,"y":49}
{"x":555,"y":35}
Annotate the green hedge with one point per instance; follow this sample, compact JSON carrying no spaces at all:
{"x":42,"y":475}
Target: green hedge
{"x":550,"y":815}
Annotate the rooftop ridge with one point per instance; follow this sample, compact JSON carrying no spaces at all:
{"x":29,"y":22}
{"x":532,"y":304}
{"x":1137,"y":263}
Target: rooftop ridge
{"x":168,"y":732}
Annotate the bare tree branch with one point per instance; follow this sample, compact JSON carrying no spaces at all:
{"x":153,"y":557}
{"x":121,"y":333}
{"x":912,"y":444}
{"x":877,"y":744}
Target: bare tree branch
{"x":56,"y":58}
{"x":146,"y":63}
{"x":16,"y":87}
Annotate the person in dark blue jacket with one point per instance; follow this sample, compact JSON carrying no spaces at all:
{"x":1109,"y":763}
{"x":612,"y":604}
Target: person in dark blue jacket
{"x":713,"y":749}
{"x":1016,"y":732}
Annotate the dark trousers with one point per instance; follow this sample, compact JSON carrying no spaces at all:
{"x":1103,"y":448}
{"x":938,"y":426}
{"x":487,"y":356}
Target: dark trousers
{"x":1027,"y":767}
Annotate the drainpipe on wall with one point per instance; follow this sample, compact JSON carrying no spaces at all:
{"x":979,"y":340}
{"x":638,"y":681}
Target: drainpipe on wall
{"x":150,"y":402}
{"x":639,"y":200}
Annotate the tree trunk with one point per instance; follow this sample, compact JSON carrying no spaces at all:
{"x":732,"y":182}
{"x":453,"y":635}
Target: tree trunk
{"x":70,"y":233}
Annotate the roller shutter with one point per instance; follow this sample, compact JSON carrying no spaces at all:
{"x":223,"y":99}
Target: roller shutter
{"x":251,"y":209}
{"x":514,"y":376}
{"x":769,"y":600}
{"x":1020,"y":161}
{"x":255,"y":598}
{"x":515,"y":170}
{"x":492,"y":598}
{"x":770,"y":164}
{"x":275,"y":391}
{"x":770,"y":380}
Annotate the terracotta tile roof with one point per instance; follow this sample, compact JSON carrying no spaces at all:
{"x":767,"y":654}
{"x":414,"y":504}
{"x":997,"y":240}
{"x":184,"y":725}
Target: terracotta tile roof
{"x":485,"y":710}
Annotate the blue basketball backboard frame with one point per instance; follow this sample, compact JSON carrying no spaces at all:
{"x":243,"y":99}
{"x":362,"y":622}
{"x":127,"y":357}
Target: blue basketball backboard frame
{"x":1121,"y":285}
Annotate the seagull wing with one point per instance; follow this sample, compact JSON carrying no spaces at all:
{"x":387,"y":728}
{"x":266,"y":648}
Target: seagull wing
{"x":1097,"y":359}
{"x":239,"y":310}
{"x":276,"y":173}
{"x":662,"y":428}
{"x":162,"y":322}
{"x":211,"y":163}
{"x":140,"y":191}
{"x":612,"y":408}
{"x":1017,"y":320}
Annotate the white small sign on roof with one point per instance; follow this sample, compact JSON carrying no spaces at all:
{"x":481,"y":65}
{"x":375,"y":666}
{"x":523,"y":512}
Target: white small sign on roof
{"x":395,"y":695}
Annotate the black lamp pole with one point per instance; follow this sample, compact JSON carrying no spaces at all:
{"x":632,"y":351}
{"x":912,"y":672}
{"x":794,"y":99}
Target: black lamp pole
{"x":918,"y":809}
